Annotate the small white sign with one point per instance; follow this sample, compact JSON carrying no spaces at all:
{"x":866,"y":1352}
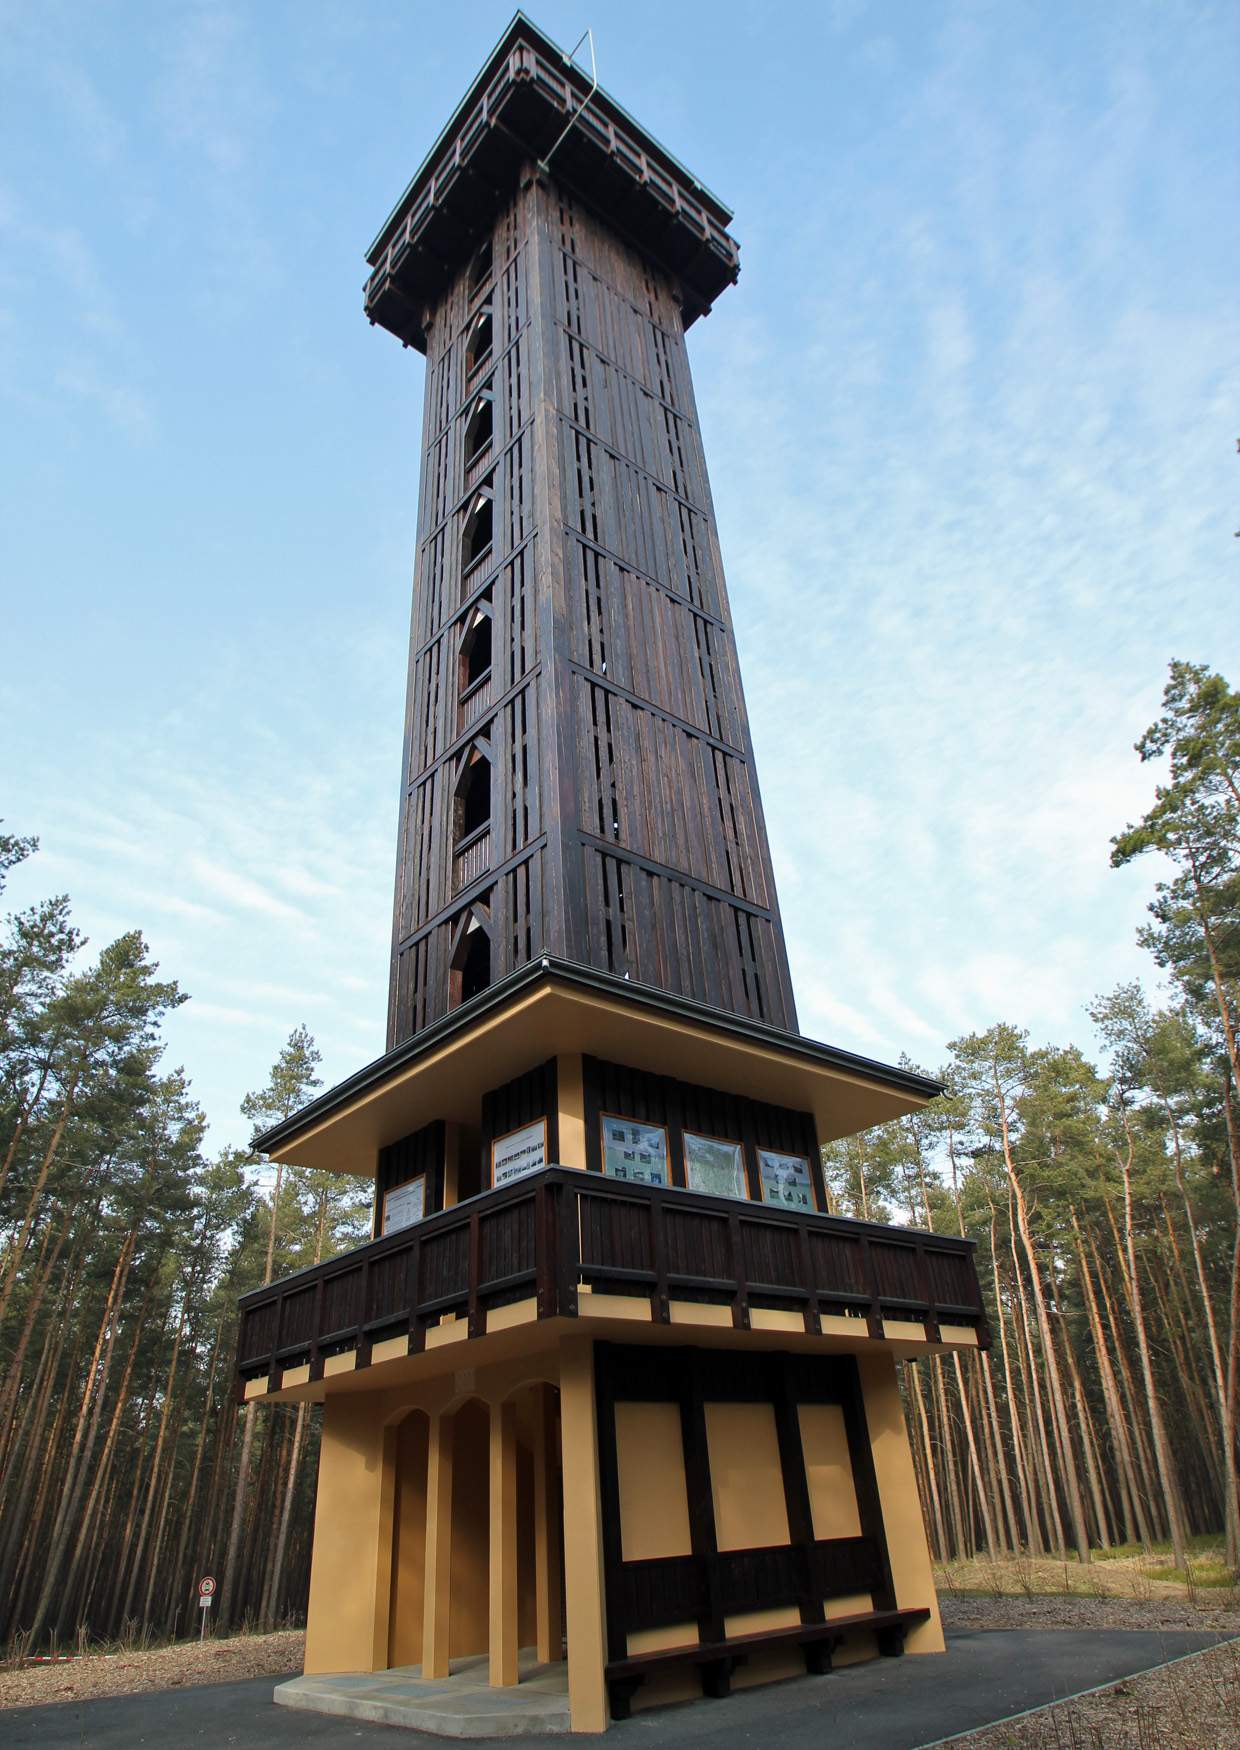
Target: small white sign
{"x":403,"y":1205}
{"x":205,"y":1603}
{"x":520,"y":1152}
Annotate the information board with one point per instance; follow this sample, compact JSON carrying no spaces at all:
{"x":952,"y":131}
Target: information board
{"x":633,"y":1151}
{"x":520,"y":1152}
{"x":714,"y":1165}
{"x":403,"y":1205}
{"x":785,"y":1179}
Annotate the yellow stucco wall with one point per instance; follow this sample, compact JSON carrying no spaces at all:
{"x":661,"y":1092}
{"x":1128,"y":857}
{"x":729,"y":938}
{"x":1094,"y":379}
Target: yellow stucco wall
{"x":408,"y":1542}
{"x":654,"y":1502}
{"x":828,"y":1471}
{"x":350,"y":1573}
{"x":471,"y":1475}
{"x":897,"y":1487}
{"x":745,"y":1478}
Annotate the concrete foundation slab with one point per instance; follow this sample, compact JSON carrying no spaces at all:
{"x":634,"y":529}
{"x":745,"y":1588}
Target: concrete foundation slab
{"x":461,"y":1705}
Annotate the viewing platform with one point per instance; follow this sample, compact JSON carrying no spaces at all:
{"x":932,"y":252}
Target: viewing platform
{"x":566,"y":1244}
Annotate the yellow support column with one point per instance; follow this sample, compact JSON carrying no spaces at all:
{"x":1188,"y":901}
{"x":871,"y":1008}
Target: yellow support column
{"x":547,"y":1604}
{"x":351,"y":1568}
{"x":436,"y":1608}
{"x":907,"y":1550}
{"x":503,"y":1619}
{"x":583,"y":1545}
{"x":571,"y":1102}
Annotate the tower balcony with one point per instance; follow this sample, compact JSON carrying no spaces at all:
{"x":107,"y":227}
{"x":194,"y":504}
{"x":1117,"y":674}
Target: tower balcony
{"x":562,"y":1244}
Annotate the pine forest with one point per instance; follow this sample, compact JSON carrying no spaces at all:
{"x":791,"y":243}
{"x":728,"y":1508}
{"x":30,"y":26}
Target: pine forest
{"x":1101,"y":1186}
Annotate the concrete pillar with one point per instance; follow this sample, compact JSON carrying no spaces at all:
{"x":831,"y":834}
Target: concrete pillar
{"x":907,"y":1550}
{"x":438,"y":1570}
{"x":502,"y":1638}
{"x":547,"y":1602}
{"x":351,"y":1568}
{"x":583,"y":1547}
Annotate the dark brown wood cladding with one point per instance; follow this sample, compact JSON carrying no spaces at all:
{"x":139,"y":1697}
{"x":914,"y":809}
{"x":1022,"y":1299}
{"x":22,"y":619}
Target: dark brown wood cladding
{"x":516,"y":1104}
{"x":418,"y":1156}
{"x":543,"y":1235}
{"x":625,"y":828}
{"x":709,"y":1584}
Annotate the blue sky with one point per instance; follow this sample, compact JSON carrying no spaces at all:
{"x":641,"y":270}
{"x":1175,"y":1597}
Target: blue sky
{"x":970,"y":416}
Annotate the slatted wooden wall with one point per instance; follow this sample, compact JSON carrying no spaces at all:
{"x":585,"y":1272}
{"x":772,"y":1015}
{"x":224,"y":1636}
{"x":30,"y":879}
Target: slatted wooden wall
{"x":626,"y":829}
{"x":420,"y":1155}
{"x":679,"y":1106}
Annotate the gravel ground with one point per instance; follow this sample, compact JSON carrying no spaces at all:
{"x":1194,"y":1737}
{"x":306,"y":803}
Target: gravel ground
{"x":187,"y":1663}
{"x":1193,"y":1704}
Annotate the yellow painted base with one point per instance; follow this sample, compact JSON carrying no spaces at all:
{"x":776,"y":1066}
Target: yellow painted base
{"x":449,"y":1506}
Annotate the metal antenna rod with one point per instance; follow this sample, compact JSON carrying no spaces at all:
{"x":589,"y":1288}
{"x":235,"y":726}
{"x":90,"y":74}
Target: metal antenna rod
{"x":587,"y":36}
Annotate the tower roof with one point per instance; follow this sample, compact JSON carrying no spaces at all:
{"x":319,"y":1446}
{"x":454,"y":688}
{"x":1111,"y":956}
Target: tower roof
{"x":513,"y":114}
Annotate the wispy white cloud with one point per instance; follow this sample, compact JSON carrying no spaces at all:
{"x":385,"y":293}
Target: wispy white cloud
{"x":242,"y":890}
{"x":125,"y":407}
{"x":197,"y":1009}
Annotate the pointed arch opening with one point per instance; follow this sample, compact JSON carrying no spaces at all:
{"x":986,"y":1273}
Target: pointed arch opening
{"x":472,"y":802}
{"x":480,"y":428}
{"x":481,"y":267}
{"x":478,"y":530}
{"x":479,"y":341}
{"x":470,"y":968}
{"x":475,"y":657}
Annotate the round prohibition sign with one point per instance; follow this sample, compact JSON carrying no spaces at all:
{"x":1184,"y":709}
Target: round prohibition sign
{"x":206,"y":1587}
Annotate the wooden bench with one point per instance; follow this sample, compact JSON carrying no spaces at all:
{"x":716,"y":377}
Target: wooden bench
{"x":716,"y":1661}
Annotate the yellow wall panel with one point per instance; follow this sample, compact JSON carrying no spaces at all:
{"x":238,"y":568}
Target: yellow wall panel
{"x":654,"y":1503}
{"x":828,"y":1471}
{"x":745,"y":1478}
{"x":897,"y":1488}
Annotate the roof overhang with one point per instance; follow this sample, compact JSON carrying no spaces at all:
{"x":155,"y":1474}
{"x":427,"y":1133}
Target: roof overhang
{"x":552,"y":1007}
{"x":530,"y":100}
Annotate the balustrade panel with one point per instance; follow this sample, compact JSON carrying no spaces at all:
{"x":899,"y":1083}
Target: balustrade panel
{"x":547,"y":1230}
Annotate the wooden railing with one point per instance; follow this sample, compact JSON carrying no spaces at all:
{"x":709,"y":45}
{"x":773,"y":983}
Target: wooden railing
{"x":475,"y":703}
{"x":472,"y":859}
{"x":549,"y":1235}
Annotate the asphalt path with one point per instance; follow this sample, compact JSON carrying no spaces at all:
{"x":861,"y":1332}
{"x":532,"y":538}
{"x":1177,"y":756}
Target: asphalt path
{"x":887,"y":1704}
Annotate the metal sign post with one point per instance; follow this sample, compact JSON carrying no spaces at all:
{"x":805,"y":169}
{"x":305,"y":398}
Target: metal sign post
{"x":206,"y":1592}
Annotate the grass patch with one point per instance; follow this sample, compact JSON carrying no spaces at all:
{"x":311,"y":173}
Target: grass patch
{"x":1205,"y":1572}
{"x":1204,"y":1544}
{"x":1130,"y":1572}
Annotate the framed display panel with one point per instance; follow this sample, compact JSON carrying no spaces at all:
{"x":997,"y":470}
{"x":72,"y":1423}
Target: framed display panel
{"x":403,"y":1205}
{"x":715,"y":1165}
{"x":634,"y":1151}
{"x":519,"y":1152}
{"x":785,"y":1179}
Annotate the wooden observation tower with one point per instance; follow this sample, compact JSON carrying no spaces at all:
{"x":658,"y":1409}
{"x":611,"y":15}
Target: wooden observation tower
{"x":608,"y":1360}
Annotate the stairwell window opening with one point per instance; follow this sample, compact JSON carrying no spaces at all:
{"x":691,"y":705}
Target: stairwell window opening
{"x":480,"y":428}
{"x":480,"y":268}
{"x":475,"y":653}
{"x":477,"y":530}
{"x":478,"y":342}
{"x":472,"y":808}
{"x":472,"y":973}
